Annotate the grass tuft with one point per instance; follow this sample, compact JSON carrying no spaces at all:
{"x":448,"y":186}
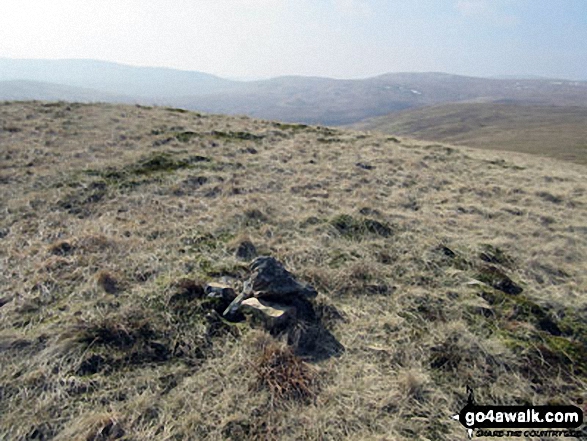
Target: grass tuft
{"x":285,"y":375}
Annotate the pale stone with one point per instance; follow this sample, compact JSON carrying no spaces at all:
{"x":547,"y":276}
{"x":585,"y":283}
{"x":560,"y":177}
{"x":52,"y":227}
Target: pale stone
{"x":271,"y":314}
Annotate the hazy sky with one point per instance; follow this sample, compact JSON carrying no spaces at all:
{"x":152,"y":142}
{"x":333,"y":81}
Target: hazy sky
{"x":337,"y":38}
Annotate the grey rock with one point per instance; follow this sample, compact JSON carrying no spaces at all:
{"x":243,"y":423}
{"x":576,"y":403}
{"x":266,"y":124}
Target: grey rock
{"x":270,"y":280}
{"x":219,"y":291}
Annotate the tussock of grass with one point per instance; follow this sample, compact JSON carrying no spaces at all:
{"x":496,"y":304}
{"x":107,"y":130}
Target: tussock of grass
{"x":285,"y":375}
{"x":353,"y":228}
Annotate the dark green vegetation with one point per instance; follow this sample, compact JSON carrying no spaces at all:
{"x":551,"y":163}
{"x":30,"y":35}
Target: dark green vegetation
{"x":436,"y":268}
{"x":353,"y":228}
{"x":557,"y":132}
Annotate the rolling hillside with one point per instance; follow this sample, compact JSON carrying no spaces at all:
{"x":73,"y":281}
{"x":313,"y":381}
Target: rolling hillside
{"x":13,"y":90}
{"x":309,"y":100}
{"x":557,"y":132}
{"x":338,"y":102}
{"x":436,"y":268}
{"x":149,"y":83}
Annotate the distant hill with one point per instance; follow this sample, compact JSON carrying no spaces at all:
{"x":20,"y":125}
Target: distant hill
{"x":310,"y":100}
{"x":114,"y":78}
{"x":36,"y":90}
{"x":337,"y":102}
{"x":559,"y":132}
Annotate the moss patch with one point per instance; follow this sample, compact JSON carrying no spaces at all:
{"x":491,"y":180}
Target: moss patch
{"x":176,"y":110}
{"x":549,"y":341}
{"x":160,"y":162}
{"x":496,"y":278}
{"x":185,"y":136}
{"x":294,"y":127}
{"x":238,"y":136}
{"x":492,"y":254}
{"x":356,"y":228}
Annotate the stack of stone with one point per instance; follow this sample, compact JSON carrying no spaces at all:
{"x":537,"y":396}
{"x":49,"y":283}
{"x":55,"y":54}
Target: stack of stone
{"x":272,"y":295}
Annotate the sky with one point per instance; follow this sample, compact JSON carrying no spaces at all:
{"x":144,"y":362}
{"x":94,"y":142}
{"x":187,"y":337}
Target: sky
{"x":252,"y":39}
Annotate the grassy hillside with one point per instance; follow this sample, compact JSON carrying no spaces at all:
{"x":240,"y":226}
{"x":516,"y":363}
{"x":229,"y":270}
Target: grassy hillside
{"x":558,"y":132}
{"x":114,"y":216}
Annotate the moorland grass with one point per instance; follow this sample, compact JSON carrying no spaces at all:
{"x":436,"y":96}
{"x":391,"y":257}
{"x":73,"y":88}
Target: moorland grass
{"x":108,"y":235}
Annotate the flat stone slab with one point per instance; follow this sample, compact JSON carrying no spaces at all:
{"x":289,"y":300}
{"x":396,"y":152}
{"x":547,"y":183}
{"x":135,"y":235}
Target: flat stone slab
{"x":271,"y":314}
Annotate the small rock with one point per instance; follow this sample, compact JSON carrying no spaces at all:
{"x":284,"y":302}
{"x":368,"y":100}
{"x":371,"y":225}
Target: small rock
{"x":273,"y":315}
{"x":246,"y":250}
{"x":218,"y":291}
{"x":270,"y":280}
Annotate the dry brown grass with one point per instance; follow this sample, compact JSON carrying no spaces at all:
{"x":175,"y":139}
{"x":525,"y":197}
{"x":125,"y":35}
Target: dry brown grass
{"x":558,"y":131}
{"x":285,"y":375}
{"x":156,"y":200}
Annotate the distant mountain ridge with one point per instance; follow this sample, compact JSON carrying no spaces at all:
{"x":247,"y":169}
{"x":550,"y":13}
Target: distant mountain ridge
{"x":313,"y":100}
{"x":19,"y":90}
{"x":336,"y":102}
{"x":114,"y":78}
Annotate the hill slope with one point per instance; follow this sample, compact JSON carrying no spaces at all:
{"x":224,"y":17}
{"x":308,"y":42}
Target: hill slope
{"x":558,"y":132}
{"x":113,"y":78}
{"x":34,"y":90}
{"x":337,"y":102}
{"x":436,"y":268}
{"x":309,"y":100}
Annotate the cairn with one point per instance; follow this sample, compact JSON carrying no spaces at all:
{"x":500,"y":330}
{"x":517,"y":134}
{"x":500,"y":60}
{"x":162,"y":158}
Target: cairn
{"x":273,"y":296}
